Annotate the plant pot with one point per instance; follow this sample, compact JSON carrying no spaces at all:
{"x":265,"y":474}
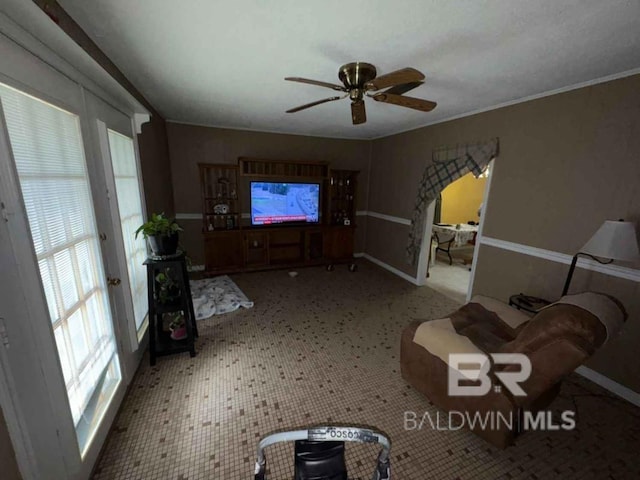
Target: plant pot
{"x":163,"y":244}
{"x":179,"y":333}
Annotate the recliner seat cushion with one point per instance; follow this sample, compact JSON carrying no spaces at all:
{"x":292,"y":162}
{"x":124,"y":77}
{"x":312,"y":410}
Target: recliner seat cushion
{"x":513,"y":317}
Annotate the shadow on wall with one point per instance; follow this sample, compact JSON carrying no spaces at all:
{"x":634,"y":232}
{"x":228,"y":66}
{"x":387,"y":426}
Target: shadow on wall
{"x":8,"y":462}
{"x":156,"y":168}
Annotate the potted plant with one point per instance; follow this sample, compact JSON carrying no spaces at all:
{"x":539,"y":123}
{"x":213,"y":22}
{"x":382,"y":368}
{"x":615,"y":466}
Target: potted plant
{"x":178,"y":327}
{"x":162,"y":234}
{"x":167,"y":293}
{"x":167,"y":290}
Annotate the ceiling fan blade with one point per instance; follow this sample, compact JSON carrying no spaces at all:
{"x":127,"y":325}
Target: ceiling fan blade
{"x":410,"y":102}
{"x":333,"y":86}
{"x":358,"y":113}
{"x":404,"y":75}
{"x":313,"y":104}
{"x":403,"y":88}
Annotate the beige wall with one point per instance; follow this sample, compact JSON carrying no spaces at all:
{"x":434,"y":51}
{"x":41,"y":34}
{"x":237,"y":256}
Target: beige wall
{"x":461,"y":200}
{"x":567,"y":163}
{"x":8,"y":465}
{"x":190,"y":145}
{"x":501,"y":273}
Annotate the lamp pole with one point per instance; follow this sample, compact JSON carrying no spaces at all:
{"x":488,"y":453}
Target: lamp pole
{"x":573,"y":267}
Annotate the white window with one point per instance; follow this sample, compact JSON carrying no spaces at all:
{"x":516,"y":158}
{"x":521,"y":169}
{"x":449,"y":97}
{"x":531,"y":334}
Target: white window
{"x":47,"y":146}
{"x":125,"y":173}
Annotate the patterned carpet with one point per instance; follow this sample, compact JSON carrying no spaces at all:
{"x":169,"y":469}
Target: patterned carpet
{"x":323,"y":348}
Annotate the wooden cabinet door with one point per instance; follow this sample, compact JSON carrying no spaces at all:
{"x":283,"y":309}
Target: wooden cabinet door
{"x":338,"y":243}
{"x":223,"y":251}
{"x":256,"y":249}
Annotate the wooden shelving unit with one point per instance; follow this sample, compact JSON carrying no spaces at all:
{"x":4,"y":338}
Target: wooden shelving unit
{"x":234,"y":247}
{"x":160,"y":341}
{"x":255,"y":167}
{"x":220,"y":199}
{"x":342,"y":188}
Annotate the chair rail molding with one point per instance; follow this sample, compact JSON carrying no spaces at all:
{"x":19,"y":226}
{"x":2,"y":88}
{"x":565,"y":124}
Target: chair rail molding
{"x":587,"y":264}
{"x":359,"y":213}
{"x":388,"y":218}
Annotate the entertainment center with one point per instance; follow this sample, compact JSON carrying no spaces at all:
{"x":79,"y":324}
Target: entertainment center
{"x":300,"y":214}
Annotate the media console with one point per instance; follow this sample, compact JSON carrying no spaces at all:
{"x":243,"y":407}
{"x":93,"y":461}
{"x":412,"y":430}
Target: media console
{"x":232,"y":244}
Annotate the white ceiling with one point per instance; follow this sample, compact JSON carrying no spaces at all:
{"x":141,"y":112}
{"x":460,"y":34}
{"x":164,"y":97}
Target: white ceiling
{"x":222,"y":63}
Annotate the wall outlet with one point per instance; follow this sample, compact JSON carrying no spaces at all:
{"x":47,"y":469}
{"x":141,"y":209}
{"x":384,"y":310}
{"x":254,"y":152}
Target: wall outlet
{"x":196,"y":268}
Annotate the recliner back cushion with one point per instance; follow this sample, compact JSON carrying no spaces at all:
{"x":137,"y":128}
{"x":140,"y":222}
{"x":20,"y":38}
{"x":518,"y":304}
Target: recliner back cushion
{"x":556,"y":341}
{"x":556,"y":322}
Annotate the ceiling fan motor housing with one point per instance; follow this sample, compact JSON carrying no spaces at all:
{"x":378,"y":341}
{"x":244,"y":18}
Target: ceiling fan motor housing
{"x":355,"y":75}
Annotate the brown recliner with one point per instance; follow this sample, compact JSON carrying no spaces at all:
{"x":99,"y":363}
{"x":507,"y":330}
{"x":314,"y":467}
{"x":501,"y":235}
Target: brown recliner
{"x":556,"y":340}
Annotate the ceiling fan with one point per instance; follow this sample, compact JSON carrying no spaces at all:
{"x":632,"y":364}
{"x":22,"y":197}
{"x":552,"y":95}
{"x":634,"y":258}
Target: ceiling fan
{"x":359,"y":79}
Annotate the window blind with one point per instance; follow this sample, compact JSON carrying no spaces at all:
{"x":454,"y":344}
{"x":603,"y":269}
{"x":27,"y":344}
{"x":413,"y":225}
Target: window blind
{"x":47,"y":147}
{"x":125,"y":172}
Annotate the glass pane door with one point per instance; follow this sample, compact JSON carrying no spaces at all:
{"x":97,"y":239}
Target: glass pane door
{"x":125,"y":173}
{"x":47,"y":146}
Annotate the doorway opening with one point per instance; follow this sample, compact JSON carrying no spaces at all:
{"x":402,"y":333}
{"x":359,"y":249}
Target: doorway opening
{"x":454,"y":235}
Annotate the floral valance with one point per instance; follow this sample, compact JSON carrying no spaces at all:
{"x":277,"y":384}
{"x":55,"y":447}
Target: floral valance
{"x":449,"y":164}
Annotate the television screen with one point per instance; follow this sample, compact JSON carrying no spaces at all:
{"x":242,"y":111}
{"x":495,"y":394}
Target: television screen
{"x":276,"y":202}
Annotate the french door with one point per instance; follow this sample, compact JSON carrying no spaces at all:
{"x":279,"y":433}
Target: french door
{"x":118,"y":169}
{"x":47,"y":150}
{"x":71,"y":302}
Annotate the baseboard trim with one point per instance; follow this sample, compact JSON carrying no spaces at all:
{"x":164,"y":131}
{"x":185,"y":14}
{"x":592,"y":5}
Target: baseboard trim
{"x":609,"y":269}
{"x":610,"y":385}
{"x":393,"y":270}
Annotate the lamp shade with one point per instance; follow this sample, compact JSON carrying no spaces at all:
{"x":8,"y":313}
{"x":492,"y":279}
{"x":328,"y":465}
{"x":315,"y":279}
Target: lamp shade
{"x":614,"y":240}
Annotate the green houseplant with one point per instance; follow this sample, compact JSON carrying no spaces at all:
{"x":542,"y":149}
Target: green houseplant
{"x":162,"y":234}
{"x":167,"y":289}
{"x":168,"y":292}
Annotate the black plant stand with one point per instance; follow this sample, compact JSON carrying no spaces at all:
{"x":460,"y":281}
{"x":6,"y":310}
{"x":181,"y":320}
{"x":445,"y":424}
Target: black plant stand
{"x":160,"y":342}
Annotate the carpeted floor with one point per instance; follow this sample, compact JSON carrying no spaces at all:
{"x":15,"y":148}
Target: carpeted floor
{"x":323,"y":348}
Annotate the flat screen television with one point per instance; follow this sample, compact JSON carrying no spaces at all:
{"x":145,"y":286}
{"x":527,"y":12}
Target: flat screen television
{"x":275,"y":203}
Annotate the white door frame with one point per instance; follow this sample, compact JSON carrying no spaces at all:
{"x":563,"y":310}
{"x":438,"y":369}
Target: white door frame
{"x":483,"y":214}
{"x":423,"y":258}
{"x":127,"y":323}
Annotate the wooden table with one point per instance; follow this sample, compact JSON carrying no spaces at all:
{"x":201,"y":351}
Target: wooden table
{"x":462,"y":236}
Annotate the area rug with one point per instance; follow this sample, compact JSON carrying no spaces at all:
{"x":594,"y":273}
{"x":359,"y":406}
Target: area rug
{"x":215,"y":296}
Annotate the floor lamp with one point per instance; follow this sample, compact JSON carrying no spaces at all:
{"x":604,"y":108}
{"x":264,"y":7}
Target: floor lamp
{"x":613,"y":241}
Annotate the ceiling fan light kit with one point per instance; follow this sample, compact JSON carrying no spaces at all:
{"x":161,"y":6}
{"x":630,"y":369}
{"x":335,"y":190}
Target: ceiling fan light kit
{"x":360,"y":78}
